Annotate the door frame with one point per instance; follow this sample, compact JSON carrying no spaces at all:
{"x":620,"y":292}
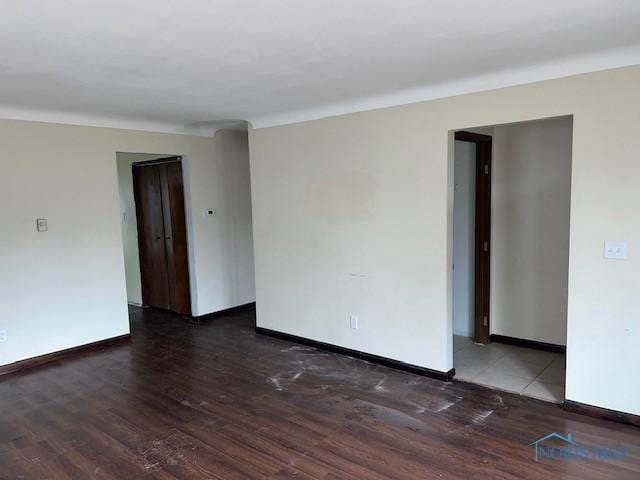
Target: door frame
{"x":482,"y":235}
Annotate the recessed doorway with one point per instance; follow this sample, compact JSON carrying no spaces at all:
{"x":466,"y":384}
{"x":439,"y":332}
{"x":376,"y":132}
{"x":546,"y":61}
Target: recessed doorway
{"x":510,"y":255}
{"x":472,"y":235}
{"x":154,"y":231}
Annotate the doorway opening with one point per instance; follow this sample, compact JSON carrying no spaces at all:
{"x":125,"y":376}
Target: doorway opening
{"x":472,"y":234}
{"x":511,"y":254}
{"x":154,"y":231}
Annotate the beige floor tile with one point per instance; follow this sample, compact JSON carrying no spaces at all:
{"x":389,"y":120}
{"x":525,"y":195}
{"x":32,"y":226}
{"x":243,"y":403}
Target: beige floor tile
{"x":516,"y":366}
{"x":545,"y":391}
{"x":534,"y":356}
{"x":509,"y":383}
{"x":468,"y":372}
{"x":560,"y":361}
{"x":479,"y":354}
{"x":521,"y":370}
{"x":552,"y":374}
{"x":499,"y":347}
{"x":460,"y":342}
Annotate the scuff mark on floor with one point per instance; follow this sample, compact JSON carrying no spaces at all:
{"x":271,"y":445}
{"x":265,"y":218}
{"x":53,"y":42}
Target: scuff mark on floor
{"x":419,"y":408}
{"x":298,"y":348}
{"x":276,"y":382}
{"x":380,"y":385}
{"x":482,"y":416}
{"x":166,"y":451}
{"x":445,"y":405}
{"x":325,"y":375}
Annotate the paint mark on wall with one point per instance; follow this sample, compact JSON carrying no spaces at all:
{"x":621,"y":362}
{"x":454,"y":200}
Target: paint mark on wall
{"x":344,"y":195}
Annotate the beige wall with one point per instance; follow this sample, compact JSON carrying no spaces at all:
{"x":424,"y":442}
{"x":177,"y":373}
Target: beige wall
{"x":66,"y":287}
{"x":232,"y":254}
{"x":531,"y":191}
{"x":353,"y":215}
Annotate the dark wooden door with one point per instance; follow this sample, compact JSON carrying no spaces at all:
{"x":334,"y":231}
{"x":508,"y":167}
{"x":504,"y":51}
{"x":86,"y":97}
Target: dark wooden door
{"x":175,"y":236}
{"x":151,"y":236}
{"x":162,"y":235}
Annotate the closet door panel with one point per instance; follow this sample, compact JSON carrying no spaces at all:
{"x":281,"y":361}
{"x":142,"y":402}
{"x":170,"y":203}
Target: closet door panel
{"x":151,"y":236}
{"x":176,"y":237}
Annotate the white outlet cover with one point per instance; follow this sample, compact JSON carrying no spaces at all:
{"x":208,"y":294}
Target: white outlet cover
{"x":615,"y":250}
{"x":3,"y":336}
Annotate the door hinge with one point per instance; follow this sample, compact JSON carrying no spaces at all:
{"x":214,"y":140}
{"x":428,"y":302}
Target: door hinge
{"x":486,"y":169}
{"x":485,"y":321}
{"x":486,"y":246}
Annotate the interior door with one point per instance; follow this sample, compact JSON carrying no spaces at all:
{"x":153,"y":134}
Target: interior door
{"x":175,"y":237}
{"x":151,"y":236}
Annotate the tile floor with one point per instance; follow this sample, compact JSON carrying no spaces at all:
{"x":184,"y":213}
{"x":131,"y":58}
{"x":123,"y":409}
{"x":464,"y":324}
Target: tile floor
{"x":526,"y":371}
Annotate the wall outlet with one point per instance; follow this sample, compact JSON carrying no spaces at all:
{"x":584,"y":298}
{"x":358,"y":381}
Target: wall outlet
{"x":615,"y":250}
{"x":353,"y":322}
{"x":208,"y":212}
{"x":3,"y":336}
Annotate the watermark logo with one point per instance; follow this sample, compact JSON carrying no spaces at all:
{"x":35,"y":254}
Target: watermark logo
{"x":565,"y":448}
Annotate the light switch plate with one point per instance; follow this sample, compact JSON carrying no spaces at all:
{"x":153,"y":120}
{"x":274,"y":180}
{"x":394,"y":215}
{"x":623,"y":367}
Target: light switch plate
{"x":41,"y":224}
{"x":615,"y":250}
{"x":353,"y":322}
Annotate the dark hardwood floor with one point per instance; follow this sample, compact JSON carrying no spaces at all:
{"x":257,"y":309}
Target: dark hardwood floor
{"x":215,"y":400}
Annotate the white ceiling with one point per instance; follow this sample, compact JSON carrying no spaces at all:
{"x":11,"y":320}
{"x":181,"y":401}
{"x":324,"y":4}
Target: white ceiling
{"x":193,"y":65}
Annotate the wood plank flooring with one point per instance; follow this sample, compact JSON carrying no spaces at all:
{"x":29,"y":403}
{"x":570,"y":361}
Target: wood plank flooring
{"x":217,"y":401}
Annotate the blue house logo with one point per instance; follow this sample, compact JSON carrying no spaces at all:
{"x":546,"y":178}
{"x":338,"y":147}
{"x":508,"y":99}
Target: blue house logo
{"x":540,"y":450}
{"x":570,"y":450}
